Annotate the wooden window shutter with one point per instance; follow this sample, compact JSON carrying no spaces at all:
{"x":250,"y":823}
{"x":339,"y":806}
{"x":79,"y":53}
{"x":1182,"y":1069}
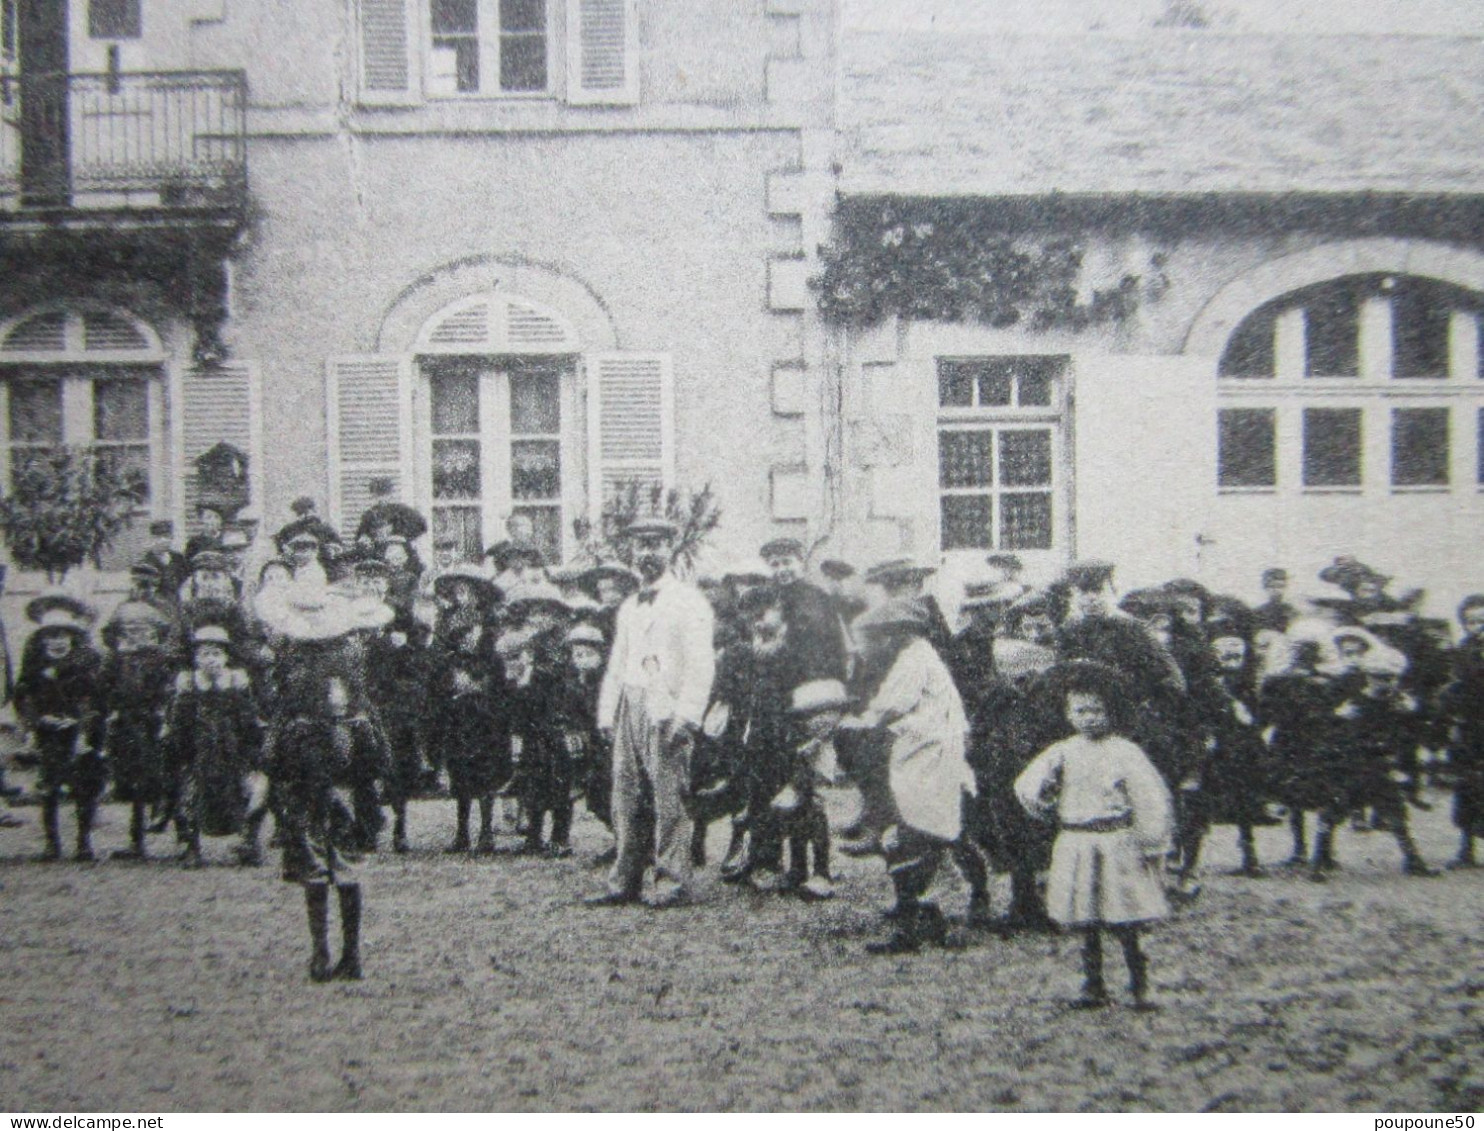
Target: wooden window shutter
{"x":368,"y":422}
{"x":602,"y":52}
{"x":389,"y":71}
{"x":631,"y":423}
{"x":220,"y":405}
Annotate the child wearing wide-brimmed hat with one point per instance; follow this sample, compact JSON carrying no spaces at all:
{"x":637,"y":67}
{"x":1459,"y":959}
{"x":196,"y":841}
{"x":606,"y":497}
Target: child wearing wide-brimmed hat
{"x":470,"y":731}
{"x":56,"y":697}
{"x":137,"y":676}
{"x":1115,"y":817}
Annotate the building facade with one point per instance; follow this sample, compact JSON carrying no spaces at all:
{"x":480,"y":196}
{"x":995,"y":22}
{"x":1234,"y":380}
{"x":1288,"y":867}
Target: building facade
{"x":510,"y":253}
{"x":1269,"y":355}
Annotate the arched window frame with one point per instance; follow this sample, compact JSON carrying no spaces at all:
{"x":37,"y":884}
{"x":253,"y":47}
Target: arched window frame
{"x":1377,"y":421}
{"x":90,"y":366}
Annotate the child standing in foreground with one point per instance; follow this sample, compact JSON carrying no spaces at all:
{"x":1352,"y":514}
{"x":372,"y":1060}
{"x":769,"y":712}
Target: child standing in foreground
{"x":1115,"y":816}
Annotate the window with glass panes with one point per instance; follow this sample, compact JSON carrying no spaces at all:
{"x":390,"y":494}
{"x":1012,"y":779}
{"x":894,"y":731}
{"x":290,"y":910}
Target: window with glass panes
{"x":495,"y":449}
{"x":1351,"y":384}
{"x":998,"y":432}
{"x":490,"y":47}
{"x":106,"y":409}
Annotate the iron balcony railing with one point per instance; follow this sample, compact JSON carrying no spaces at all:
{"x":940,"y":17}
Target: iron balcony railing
{"x":171,"y":139}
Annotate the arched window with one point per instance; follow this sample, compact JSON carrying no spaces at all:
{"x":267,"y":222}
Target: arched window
{"x":498,"y":381}
{"x":1357,"y":382}
{"x":86,"y":376}
{"x":82,"y":376}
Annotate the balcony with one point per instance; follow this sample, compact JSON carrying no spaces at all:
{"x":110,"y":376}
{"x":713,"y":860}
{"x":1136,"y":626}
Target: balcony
{"x":84,"y":150}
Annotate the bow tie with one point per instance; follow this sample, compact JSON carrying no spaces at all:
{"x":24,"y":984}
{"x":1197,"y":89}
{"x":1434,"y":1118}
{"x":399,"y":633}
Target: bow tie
{"x":647,"y":596}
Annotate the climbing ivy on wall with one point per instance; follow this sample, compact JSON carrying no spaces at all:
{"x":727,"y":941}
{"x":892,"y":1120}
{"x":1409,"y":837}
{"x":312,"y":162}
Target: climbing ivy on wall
{"x":953,"y":261}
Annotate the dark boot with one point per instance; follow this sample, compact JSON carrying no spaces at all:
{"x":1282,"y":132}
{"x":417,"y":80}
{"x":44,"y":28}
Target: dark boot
{"x":191,"y":857}
{"x":1300,"y":855}
{"x":250,"y":852}
{"x":1138,"y":968}
{"x":1324,"y":847}
{"x":697,"y":844}
{"x":317,"y":905}
{"x":86,"y":812}
{"x":1465,"y":858}
{"x":399,"y":826}
{"x":486,"y":843}
{"x":932,"y":926}
{"x":1094,"y":992}
{"x":1247,"y":843}
{"x":51,"y":821}
{"x":461,"y":832}
{"x":980,"y":913}
{"x":798,"y":863}
{"x":348,"y":969}
{"x":1027,"y":913}
{"x":137,"y":823}
{"x":904,"y":937}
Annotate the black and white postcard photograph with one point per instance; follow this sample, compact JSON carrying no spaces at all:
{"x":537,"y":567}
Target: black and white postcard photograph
{"x":810,"y":556}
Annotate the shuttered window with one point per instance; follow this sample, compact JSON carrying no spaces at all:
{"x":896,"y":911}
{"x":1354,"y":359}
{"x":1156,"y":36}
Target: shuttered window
{"x":368,"y":413}
{"x":407,"y":49}
{"x":389,"y":51}
{"x":218,"y":406}
{"x":631,"y":422}
{"x":602,"y":52}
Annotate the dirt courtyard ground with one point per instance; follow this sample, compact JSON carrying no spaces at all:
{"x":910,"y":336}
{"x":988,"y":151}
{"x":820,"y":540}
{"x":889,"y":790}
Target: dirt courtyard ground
{"x":150,"y":988}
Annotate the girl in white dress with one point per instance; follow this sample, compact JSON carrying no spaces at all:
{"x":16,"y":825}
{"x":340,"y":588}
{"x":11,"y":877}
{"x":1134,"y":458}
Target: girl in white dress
{"x":1114,"y":815}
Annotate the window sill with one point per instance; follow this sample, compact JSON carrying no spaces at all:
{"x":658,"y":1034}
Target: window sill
{"x":1333,"y":491}
{"x":1246,"y":490}
{"x":502,"y":96}
{"x":1422,"y":489}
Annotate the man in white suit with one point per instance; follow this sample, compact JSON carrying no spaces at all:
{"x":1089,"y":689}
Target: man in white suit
{"x":654,"y":694}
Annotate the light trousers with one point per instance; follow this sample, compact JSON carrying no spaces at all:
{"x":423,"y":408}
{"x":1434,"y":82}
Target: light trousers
{"x":651,"y":787}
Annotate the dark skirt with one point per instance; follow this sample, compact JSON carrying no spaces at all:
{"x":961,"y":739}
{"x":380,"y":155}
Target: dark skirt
{"x":475,"y":751}
{"x":83,"y":776}
{"x":137,"y":758}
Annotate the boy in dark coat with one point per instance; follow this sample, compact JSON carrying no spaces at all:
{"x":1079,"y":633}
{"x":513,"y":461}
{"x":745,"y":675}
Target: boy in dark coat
{"x":325,"y":744}
{"x":547,"y":770}
{"x":56,"y":697}
{"x":762,"y":713}
{"x":815,"y":711}
{"x":816,"y":640}
{"x":577,"y":710}
{"x":136,"y":680}
{"x":470,"y":733}
{"x":1233,"y":780}
{"x":1016,"y":716}
{"x":1297,"y":705}
{"x":396,"y":657}
{"x":1462,"y":705}
{"x":215,"y":741}
{"x":1275,"y":613}
{"x":1377,"y":729}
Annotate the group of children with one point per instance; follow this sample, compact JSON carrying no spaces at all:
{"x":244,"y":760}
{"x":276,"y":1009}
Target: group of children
{"x":1057,"y":732}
